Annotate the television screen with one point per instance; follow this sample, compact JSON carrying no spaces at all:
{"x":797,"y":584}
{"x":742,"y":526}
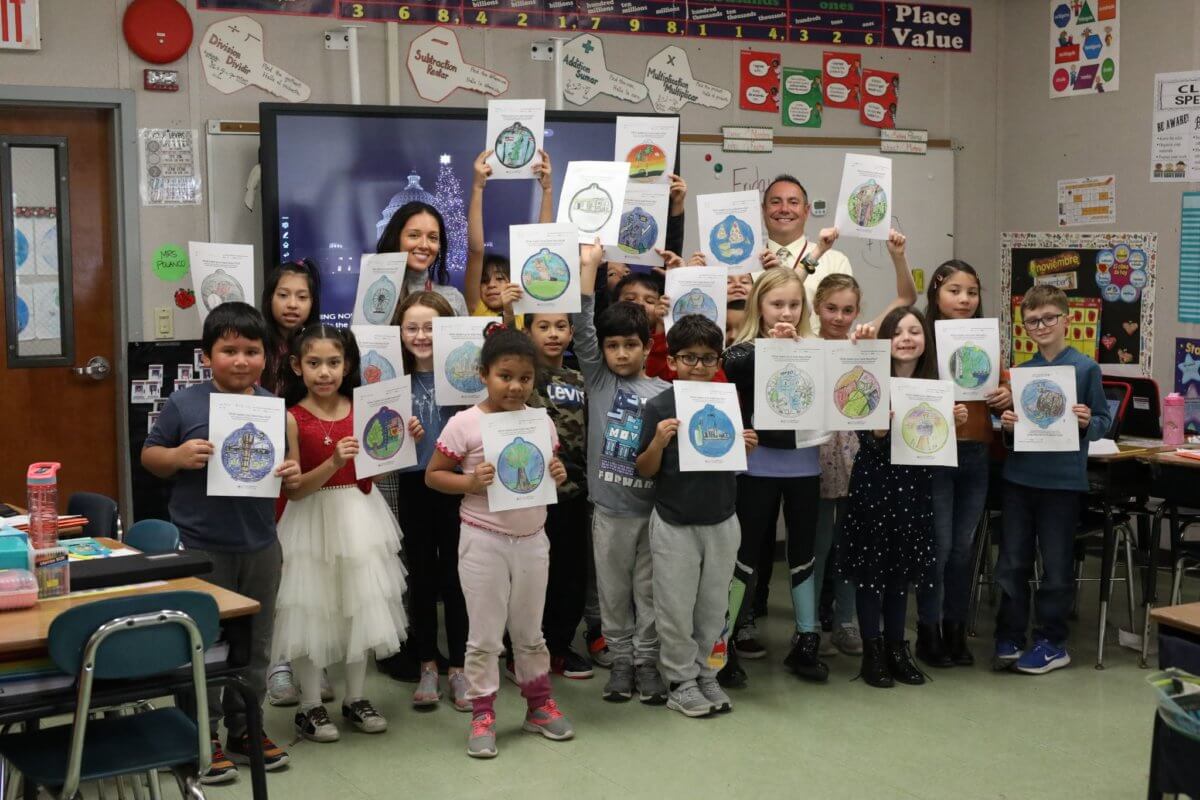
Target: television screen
{"x":333,"y":176}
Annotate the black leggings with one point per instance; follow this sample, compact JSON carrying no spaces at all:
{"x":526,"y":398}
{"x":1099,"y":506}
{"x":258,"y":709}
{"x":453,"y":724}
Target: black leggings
{"x":567,"y":523}
{"x":429,"y":520}
{"x":892,"y":605}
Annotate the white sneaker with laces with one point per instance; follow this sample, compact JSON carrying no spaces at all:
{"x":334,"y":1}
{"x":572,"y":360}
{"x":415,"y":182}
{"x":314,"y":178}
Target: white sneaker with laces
{"x":281,"y":688}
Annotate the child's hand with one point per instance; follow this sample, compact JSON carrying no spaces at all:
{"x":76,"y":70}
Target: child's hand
{"x":670,"y":260}
{"x":1083,"y":414}
{"x":960,"y":413}
{"x":590,"y":255}
{"x":193,"y":454}
{"x":510,"y":294}
{"x":661,"y":309}
{"x":783,"y":330}
{"x":1008,"y":419}
{"x":697,"y":260}
{"x":769,"y":260}
{"x":895,"y":242}
{"x":1000,"y":398}
{"x":827,"y":237}
{"x":482,"y":169}
{"x":557,"y":471}
{"x":482,"y":478}
{"x":665,"y":432}
{"x":751,"y":437}
{"x":678,"y":192}
{"x":289,"y":471}
{"x":543,"y":172}
{"x":616,"y":271}
{"x":863,"y":330}
{"x":345,"y":450}
{"x":416,"y":429}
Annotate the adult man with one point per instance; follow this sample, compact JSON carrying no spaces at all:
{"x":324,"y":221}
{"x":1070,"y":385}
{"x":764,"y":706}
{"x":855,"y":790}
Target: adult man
{"x":785,"y":213}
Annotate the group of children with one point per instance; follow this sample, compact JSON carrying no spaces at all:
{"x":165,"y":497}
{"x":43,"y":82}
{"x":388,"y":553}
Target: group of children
{"x":672,"y":557}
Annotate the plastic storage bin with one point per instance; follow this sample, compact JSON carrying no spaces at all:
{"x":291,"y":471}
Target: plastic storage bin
{"x":18,"y":589}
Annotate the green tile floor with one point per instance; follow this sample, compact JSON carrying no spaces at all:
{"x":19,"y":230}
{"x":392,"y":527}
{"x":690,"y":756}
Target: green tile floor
{"x":970,"y":733}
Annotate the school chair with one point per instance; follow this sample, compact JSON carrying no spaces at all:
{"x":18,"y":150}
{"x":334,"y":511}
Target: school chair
{"x":153,"y":536}
{"x":125,"y":638}
{"x":103,"y":521}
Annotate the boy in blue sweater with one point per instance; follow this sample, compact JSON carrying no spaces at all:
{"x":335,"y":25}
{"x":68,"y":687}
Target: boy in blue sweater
{"x":1043,"y":494}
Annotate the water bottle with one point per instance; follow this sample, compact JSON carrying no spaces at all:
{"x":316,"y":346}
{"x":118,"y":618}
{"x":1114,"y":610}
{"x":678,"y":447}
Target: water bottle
{"x":1172,"y":419}
{"x":41,"y":482}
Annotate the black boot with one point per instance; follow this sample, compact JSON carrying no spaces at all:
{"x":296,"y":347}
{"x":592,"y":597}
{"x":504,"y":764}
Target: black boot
{"x":401,"y":665}
{"x":954,"y":634}
{"x":901,"y":665}
{"x":804,"y":659}
{"x":930,"y":648}
{"x":874,"y":670}
{"x":731,"y":676}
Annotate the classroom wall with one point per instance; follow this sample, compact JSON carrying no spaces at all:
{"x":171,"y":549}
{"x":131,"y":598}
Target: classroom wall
{"x":950,"y":94}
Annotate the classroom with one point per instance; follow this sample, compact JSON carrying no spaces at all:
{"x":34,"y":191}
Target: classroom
{"x":544,"y":398}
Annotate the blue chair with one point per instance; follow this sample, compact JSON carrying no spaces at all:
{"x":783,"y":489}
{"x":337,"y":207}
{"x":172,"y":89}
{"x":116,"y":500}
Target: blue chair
{"x":101,"y":512}
{"x":125,"y":638}
{"x":153,"y":536}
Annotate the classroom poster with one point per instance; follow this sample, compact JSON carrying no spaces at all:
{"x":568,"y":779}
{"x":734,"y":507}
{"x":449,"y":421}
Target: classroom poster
{"x":249,"y":442}
{"x":437,"y":67}
{"x":381,"y":414}
{"x":231,"y":53}
{"x":515,"y":132}
{"x":544,"y":262}
{"x":586,"y":73}
{"x":221,"y":273}
{"x":1174,"y":139}
{"x":1043,"y":398}
{"x":923,"y":423}
{"x":710,"y":434}
{"x":864,"y":208}
{"x":650,"y":145}
{"x":1109,"y":281}
{"x":457,"y":342}
{"x":696,"y":290}
{"x":802,"y":102}
{"x":519,"y":445}
{"x":593,"y":193}
{"x":170,"y":168}
{"x":1189,"y":258}
{"x":758,"y":81}
{"x":1087,"y":201}
{"x":731,"y":230}
{"x":789,"y":384}
{"x":880,"y":98}
{"x":380,"y":352}
{"x":380,"y":279}
{"x":643,"y":229}
{"x":969,"y":356}
{"x":671,"y":85}
{"x":1084,"y":47}
{"x":841,"y":74}
{"x":1187,"y":380}
{"x":857,"y":375}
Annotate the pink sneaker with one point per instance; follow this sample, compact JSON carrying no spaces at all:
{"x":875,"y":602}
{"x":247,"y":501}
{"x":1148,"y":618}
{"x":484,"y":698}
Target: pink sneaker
{"x":549,"y":722}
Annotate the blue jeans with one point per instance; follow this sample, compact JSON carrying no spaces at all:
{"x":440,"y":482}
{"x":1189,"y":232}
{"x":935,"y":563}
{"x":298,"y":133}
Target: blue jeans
{"x":1046,"y":519}
{"x":959,"y":497}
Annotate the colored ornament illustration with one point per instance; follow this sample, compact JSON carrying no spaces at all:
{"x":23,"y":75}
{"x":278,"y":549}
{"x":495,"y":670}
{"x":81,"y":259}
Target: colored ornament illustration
{"x":711,"y":431}
{"x":731,"y":240}
{"x":925,"y":429}
{"x":48,"y":248}
{"x":638,"y":231}
{"x":790,"y":392}
{"x":694,"y":302}
{"x":21,"y":248}
{"x":590,"y":208}
{"x":384,"y":434}
{"x":545,"y":275}
{"x":376,"y":368}
{"x":1043,"y":402}
{"x":22,"y":314}
{"x":462,"y":368}
{"x":247,"y":454}
{"x":521,"y":467}
{"x":868,"y":204}
{"x":380,"y":301}
{"x":220,"y":287}
{"x":646,"y":161}
{"x":856,"y":393}
{"x":970,"y":366}
{"x":515,"y":146}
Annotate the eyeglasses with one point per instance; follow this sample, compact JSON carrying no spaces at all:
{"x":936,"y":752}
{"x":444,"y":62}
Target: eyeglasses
{"x":413,"y":330}
{"x":691,"y":359}
{"x":1043,"y":322}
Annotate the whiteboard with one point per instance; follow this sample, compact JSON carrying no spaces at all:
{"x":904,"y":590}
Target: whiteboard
{"x":923,"y":207}
{"x":231,"y":157}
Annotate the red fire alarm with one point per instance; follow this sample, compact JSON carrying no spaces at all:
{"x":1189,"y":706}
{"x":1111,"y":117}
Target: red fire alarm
{"x":158,"y":31}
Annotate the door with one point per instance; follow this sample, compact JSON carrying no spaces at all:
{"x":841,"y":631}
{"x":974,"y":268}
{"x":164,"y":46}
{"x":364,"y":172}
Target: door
{"x":57,"y":220}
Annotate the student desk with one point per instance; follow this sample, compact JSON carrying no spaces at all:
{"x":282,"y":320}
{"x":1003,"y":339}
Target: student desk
{"x":23,"y":634}
{"x":1173,"y":756}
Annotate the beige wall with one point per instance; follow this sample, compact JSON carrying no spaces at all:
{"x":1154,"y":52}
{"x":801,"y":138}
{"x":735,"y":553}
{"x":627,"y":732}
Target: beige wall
{"x":952,"y":95}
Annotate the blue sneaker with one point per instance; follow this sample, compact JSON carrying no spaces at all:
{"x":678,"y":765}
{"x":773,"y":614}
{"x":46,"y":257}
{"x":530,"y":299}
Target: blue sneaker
{"x":1007,"y":653}
{"x":1043,"y":658}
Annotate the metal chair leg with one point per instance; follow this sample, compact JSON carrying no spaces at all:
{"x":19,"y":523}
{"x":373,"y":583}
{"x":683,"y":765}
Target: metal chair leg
{"x":982,"y":543}
{"x":1177,"y":582}
{"x":1130,"y":574}
{"x":153,"y":785}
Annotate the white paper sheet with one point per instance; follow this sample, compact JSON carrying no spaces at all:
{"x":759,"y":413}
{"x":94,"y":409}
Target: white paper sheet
{"x":518,"y":445}
{"x":789,"y":384}
{"x":380,"y":278}
{"x":545,"y":264}
{"x":710,"y":427}
{"x":1042,"y":398}
{"x":923,"y":423}
{"x":381,"y":414}
{"x":865,"y":203}
{"x":649,"y":145}
{"x":969,"y":355}
{"x":380,"y":352}
{"x":456,"y":345}
{"x":696,"y":290}
{"x":731,"y":230}
{"x":593,"y":194}
{"x":515,"y":132}
{"x":221,"y":273}
{"x":643,"y":226}
{"x":249,"y":443}
{"x":857,"y":375}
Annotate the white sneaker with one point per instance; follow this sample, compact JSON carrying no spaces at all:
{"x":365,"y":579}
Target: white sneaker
{"x":688,"y":700}
{"x":827,"y":647}
{"x":316,"y":726}
{"x":848,"y":640}
{"x":714,"y":694}
{"x":281,"y":689}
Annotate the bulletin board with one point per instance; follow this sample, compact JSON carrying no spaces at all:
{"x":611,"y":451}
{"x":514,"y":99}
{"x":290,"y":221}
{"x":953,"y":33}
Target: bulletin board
{"x":1109,"y":281}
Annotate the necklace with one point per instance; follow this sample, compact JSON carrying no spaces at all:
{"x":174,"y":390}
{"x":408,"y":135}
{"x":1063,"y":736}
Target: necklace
{"x":328,"y":440}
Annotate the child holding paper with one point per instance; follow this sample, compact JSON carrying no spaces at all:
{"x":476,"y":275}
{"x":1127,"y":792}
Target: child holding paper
{"x":888,"y":534}
{"x":694,"y":532}
{"x":1043,"y":494}
{"x":340,"y":595}
{"x":503,"y":556}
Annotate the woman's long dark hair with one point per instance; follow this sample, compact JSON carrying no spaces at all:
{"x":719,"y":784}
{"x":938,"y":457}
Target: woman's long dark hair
{"x":389,"y":241}
{"x":343,"y":339}
{"x":939,"y":277}
{"x":275,"y":375}
{"x":927,"y":363}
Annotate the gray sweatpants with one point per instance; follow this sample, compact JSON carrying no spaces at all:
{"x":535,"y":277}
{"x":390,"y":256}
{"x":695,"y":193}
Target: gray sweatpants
{"x":255,"y":575}
{"x":693,"y":565}
{"x":625,"y":585}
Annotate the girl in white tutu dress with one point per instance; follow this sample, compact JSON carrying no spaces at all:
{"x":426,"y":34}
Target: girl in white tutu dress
{"x":340,"y":595}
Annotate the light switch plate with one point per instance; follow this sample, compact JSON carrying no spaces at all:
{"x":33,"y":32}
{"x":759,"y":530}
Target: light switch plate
{"x":164,"y":323}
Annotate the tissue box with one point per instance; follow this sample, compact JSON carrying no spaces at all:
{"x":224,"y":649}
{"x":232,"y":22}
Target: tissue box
{"x":14,"y":550}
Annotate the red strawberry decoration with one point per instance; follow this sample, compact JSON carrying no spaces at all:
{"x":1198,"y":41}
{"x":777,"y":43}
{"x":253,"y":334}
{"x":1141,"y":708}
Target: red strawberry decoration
{"x":185,"y":298}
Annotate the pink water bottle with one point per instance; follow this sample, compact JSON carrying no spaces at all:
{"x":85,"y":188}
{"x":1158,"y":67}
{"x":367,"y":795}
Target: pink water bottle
{"x":41,"y":482}
{"x":1172,"y":419}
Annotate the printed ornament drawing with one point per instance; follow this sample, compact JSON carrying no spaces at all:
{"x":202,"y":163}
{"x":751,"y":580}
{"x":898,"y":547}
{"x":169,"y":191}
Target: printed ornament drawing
{"x":522,"y":466}
{"x":1043,"y":403}
{"x":970,"y":366}
{"x":22,"y":314}
{"x":380,"y":300}
{"x":515,"y":146}
{"x":647,"y":161}
{"x":384,"y":434}
{"x":868,"y":204}
{"x":590,"y":208}
{"x":856,"y":393}
{"x":376,"y":368}
{"x":220,"y":287}
{"x":545,"y":275}
{"x":731,"y":240}
{"x":638,"y":231}
{"x":462,"y":368}
{"x":694,"y":302}
{"x":711,"y":431}
{"x":247,"y":454}
{"x":790,"y":392}
{"x":925,"y":429}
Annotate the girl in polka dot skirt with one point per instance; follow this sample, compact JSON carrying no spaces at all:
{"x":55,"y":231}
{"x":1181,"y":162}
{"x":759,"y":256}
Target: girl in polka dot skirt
{"x":888,"y":539}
